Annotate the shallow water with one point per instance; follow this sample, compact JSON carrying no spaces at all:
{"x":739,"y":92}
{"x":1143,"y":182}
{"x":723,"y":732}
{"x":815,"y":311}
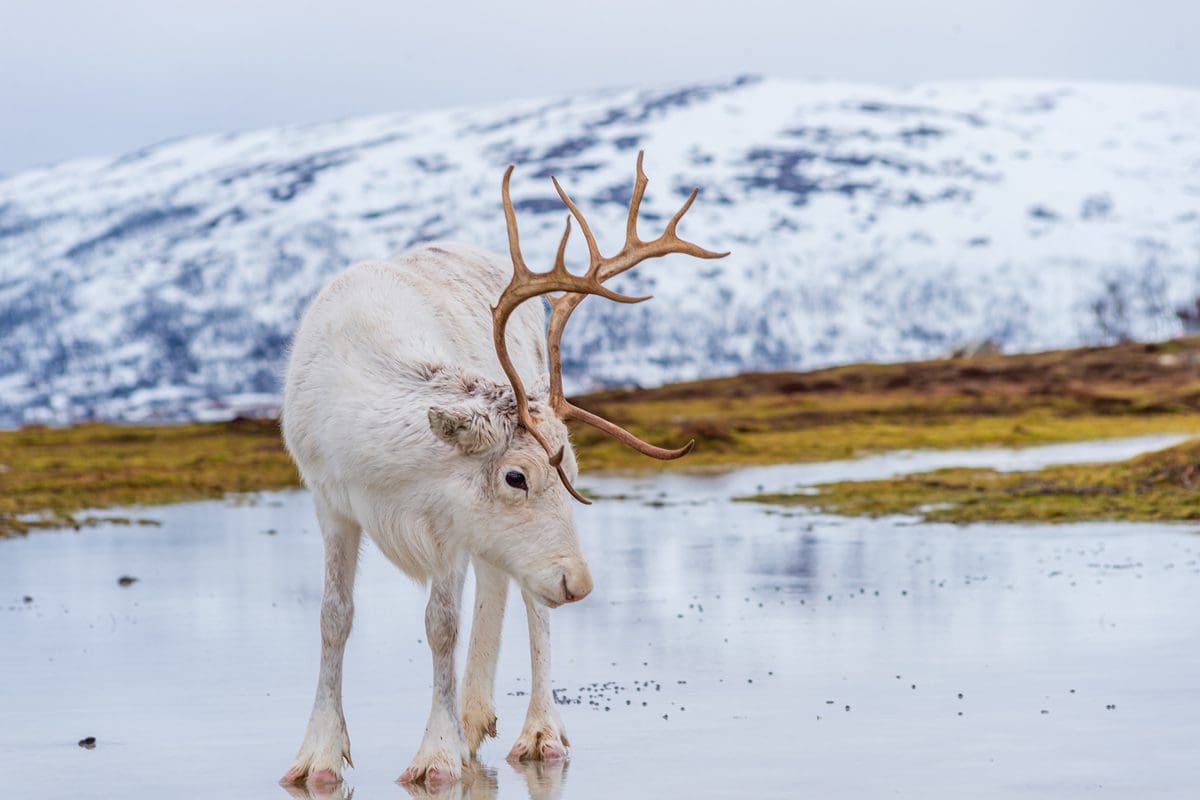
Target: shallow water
{"x":776,"y":653}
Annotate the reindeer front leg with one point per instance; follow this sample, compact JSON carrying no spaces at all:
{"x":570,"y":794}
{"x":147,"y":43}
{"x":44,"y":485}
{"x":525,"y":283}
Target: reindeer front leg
{"x":543,"y":738}
{"x":326,"y":744}
{"x":478,"y":707}
{"x":444,"y":750}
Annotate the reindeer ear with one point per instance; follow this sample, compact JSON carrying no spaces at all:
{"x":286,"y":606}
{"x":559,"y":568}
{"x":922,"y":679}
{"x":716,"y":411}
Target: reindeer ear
{"x":468,"y":429}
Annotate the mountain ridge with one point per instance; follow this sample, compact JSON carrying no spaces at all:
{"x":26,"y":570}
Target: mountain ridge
{"x":866,"y":223}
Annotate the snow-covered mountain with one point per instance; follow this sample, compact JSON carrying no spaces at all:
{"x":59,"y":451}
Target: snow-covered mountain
{"x":865,"y":223}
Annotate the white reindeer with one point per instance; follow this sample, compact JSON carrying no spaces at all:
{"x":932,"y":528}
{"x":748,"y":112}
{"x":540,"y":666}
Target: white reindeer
{"x":406,"y":412}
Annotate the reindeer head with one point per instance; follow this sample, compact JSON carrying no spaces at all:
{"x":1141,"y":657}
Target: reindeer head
{"x":522,"y":439}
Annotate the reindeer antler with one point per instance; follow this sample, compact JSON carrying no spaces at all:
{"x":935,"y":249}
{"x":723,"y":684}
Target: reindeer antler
{"x":526,"y":284}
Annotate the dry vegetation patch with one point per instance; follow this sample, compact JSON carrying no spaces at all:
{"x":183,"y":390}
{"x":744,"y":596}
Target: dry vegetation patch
{"x":1158,"y":486}
{"x":49,"y":475}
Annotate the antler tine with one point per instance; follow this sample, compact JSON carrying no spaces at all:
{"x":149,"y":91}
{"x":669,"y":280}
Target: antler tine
{"x":682,"y":245}
{"x":570,"y":411}
{"x":510,"y":222}
{"x":669,"y":231}
{"x":635,"y":204}
{"x":593,"y":248}
{"x":560,"y":311}
{"x":560,"y":264}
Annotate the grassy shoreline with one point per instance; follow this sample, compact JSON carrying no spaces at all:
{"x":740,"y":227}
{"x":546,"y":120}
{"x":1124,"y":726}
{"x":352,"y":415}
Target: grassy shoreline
{"x":1154,"y":487}
{"x":48,"y":475}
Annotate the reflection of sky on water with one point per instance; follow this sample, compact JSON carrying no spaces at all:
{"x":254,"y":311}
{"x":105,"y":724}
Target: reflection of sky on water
{"x":737,"y":622}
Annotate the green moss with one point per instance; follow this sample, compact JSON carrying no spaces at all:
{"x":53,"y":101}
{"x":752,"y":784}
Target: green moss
{"x":1062,"y":396}
{"x":1159,"y":486}
{"x":47,"y":476}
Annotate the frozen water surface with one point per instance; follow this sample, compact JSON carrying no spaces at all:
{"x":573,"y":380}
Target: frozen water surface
{"x":728,"y":650}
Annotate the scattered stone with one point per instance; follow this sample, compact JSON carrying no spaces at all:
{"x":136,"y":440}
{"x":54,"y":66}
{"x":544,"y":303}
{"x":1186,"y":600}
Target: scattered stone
{"x":27,"y":599}
{"x":88,"y":743}
{"x":126,"y":580}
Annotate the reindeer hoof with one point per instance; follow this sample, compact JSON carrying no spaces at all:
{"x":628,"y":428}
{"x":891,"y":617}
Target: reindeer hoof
{"x":478,"y":724}
{"x":436,"y":771}
{"x":540,"y":743}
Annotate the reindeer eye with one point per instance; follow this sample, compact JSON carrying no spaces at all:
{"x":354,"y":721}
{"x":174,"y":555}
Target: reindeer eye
{"x":516,"y":480}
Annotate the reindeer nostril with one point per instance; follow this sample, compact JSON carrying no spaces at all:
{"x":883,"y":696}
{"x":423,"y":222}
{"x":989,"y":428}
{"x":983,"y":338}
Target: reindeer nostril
{"x":567,"y":591}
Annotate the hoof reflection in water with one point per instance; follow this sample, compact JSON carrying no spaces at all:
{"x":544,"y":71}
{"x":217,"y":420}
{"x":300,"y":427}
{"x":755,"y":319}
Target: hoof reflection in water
{"x":336,"y":791}
{"x":543,"y":779}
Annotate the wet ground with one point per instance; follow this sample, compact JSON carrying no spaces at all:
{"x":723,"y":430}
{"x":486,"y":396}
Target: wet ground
{"x":728,"y":650}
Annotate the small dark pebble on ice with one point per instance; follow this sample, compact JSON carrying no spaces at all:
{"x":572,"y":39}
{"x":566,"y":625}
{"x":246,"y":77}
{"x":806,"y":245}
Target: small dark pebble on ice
{"x":1045,"y":711}
{"x":126,"y":580}
{"x":88,"y":743}
{"x":27,"y":599}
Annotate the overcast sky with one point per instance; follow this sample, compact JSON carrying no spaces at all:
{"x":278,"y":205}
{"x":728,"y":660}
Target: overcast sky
{"x":83,"y":77}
